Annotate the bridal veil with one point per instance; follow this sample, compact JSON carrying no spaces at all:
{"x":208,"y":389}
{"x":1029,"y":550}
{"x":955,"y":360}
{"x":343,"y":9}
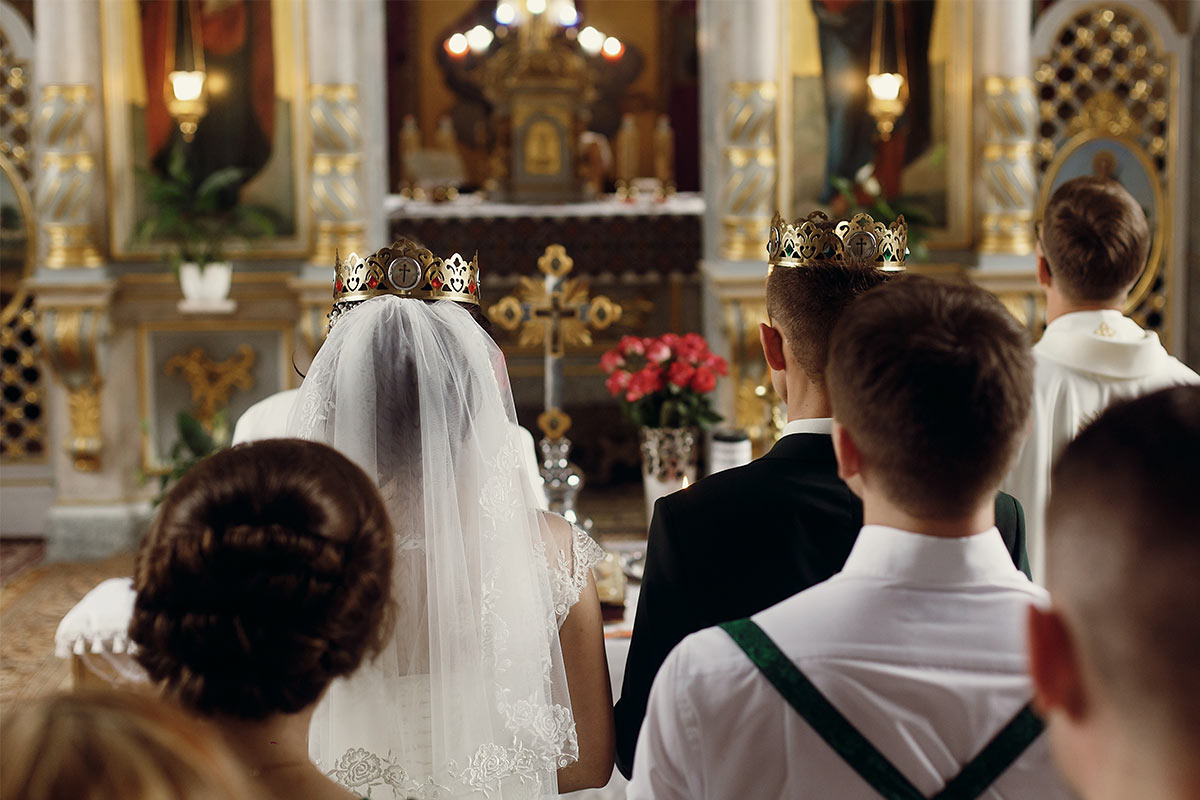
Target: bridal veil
{"x":469,"y":697}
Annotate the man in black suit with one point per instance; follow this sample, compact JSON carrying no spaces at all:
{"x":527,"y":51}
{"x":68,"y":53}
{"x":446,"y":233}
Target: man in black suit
{"x":742,"y":540}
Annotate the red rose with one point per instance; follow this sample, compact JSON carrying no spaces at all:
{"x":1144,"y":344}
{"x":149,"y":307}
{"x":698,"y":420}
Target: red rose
{"x":611,"y":361}
{"x":705,"y":380}
{"x":617,"y":382}
{"x":717,"y":364}
{"x":657,"y":350}
{"x":631,"y":346}
{"x":681,"y":374}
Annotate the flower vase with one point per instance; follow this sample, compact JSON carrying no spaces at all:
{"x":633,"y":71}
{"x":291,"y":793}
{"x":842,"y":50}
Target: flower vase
{"x":206,"y":288}
{"x":668,"y":458}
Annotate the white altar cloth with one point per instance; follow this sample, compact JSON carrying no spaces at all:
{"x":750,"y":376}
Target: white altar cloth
{"x":683,"y":204}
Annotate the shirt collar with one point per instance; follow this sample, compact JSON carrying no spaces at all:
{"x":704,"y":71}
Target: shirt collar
{"x":884,"y":552}
{"x":818,"y":425}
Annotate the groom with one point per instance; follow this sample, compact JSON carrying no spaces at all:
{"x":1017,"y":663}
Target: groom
{"x":745,"y":539}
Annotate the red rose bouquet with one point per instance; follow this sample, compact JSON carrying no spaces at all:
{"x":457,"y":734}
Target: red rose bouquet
{"x":664,"y":382}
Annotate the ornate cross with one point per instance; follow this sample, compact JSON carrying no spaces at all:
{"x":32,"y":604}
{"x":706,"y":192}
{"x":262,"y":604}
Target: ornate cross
{"x":555,"y":312}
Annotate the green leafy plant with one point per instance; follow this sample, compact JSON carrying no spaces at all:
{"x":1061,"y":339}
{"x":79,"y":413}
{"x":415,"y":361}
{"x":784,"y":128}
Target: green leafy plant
{"x":195,"y":443}
{"x":193,"y":217}
{"x":883,"y":209}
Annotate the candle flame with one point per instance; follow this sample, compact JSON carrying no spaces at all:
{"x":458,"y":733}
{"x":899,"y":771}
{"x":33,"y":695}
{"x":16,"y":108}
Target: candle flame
{"x":686,"y":483}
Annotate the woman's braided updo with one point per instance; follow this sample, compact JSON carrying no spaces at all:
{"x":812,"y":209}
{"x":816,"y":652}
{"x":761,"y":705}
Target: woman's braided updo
{"x":265,"y":575}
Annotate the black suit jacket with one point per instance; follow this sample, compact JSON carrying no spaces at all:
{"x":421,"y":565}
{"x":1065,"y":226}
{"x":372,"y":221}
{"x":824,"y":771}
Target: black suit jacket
{"x":728,"y":548}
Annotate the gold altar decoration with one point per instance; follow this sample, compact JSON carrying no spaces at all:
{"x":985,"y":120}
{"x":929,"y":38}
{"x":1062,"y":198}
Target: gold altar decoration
{"x":212,"y":381}
{"x":337,"y":180}
{"x":540,"y":90}
{"x":1105,"y":93}
{"x":748,"y":193}
{"x":72,"y":337}
{"x":554,"y":423}
{"x":66,"y":176}
{"x":554,"y":311}
{"x":21,"y":383}
{"x":1010,"y":187}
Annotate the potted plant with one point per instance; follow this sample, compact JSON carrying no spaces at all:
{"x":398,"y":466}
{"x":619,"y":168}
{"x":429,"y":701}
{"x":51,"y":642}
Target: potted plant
{"x":197,"y":441}
{"x":664,"y":386}
{"x":197,"y":219}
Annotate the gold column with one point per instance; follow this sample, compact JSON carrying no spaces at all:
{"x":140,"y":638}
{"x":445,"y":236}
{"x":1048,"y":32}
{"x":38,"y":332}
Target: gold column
{"x":66,"y":176}
{"x":749,"y":156}
{"x":71,"y":335}
{"x":337,"y":180}
{"x":1009,"y":185}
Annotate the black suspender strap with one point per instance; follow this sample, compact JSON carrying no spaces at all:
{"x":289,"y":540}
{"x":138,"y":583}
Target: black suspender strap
{"x":862,"y":756}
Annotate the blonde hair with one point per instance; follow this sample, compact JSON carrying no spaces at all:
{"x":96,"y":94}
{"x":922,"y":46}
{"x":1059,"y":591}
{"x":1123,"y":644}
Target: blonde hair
{"x":115,"y":746}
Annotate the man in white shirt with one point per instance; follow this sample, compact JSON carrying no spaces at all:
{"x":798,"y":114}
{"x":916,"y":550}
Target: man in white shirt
{"x":892,"y":677}
{"x":1114,"y":660}
{"x":744,"y":539}
{"x":1092,"y":247}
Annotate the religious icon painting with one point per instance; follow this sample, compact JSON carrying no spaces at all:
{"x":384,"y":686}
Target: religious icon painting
{"x":225,"y":86}
{"x":835,"y":140}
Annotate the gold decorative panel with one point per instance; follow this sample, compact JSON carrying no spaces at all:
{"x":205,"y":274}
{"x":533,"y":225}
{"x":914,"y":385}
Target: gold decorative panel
{"x":1104,"y":96}
{"x":337,"y":180}
{"x":1010,"y":188}
{"x":750,"y":154}
{"x":22,"y":421}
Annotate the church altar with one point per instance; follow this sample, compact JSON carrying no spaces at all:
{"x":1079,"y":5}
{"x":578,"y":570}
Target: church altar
{"x":603,"y":236}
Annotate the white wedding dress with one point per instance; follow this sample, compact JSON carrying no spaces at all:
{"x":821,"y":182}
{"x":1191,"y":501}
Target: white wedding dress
{"x":469,"y":697}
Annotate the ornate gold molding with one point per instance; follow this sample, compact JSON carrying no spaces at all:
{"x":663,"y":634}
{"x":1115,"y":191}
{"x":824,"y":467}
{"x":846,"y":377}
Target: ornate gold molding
{"x":71,"y":336}
{"x":750,"y":159}
{"x":66,"y":176}
{"x":1007,"y":173}
{"x":212,"y":381}
{"x":337,"y":163}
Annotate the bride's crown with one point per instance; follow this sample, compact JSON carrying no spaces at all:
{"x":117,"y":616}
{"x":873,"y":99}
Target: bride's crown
{"x":406,"y":269}
{"x":817,"y":240}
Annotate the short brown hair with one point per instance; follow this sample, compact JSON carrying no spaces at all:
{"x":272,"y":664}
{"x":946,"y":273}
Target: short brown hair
{"x":1123,"y":555}
{"x":264,"y":576}
{"x":1095,"y":238}
{"x":934,"y":382}
{"x":115,"y":746}
{"x":806,"y":302}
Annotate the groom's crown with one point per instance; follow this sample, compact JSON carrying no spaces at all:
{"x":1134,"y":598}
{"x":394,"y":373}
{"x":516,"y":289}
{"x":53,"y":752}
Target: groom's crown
{"x":816,"y":240}
{"x":406,"y":269}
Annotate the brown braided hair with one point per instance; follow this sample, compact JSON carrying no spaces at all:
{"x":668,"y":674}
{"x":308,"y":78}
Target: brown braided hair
{"x":265,"y":575}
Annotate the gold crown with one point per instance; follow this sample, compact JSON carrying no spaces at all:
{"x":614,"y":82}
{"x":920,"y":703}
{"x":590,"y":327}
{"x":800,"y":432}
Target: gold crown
{"x":407,"y":270}
{"x":817,"y":240}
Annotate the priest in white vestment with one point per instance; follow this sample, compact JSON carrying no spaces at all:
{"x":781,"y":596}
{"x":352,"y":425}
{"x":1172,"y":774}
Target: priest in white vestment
{"x":1092,"y":248}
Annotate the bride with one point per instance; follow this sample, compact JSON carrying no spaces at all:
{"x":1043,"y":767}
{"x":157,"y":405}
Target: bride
{"x":494,"y":681}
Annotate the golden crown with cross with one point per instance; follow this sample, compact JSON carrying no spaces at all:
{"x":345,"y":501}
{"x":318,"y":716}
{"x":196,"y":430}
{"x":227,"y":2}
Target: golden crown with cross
{"x":406,"y":269}
{"x":817,"y":240}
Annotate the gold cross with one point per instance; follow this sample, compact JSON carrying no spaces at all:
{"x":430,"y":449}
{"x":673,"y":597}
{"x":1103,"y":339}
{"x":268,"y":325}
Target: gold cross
{"x":556,"y":310}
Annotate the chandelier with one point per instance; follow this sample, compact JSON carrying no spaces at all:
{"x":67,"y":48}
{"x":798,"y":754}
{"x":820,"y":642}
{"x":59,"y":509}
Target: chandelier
{"x":888,"y":90}
{"x":186,"y":90}
{"x":534,"y":22}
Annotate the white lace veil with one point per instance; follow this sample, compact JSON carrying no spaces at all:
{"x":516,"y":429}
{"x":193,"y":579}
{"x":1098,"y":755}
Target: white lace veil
{"x":469,"y":697}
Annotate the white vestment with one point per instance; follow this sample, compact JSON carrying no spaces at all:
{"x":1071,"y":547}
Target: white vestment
{"x":1085,"y":361}
{"x":919,"y":642}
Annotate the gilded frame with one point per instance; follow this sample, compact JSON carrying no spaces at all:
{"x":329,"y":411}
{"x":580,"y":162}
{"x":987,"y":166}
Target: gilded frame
{"x":958,"y":84}
{"x":121,"y":62}
{"x":25,"y":202}
{"x":1163,"y":213}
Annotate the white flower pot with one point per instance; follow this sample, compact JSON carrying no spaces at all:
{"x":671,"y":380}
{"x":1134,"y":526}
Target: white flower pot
{"x":209,"y":283}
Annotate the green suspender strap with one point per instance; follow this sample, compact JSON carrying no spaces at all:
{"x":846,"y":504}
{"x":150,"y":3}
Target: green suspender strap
{"x":862,"y":756}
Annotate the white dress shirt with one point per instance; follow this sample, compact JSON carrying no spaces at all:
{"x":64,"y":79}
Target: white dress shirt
{"x":919,"y":642}
{"x":816,"y":425}
{"x":1085,"y":361}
